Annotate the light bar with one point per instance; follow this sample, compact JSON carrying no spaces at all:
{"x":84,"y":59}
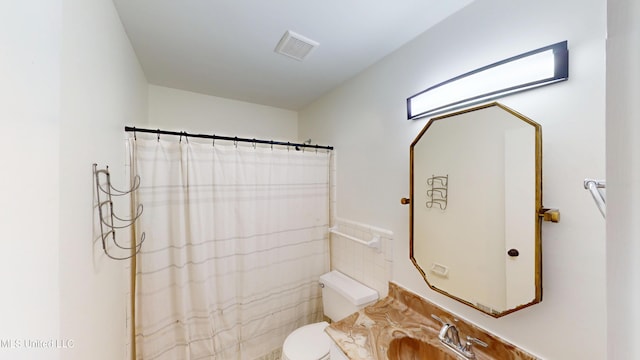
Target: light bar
{"x":536,"y":68}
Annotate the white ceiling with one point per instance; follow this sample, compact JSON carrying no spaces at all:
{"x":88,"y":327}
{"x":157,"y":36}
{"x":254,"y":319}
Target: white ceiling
{"x":225,"y":48}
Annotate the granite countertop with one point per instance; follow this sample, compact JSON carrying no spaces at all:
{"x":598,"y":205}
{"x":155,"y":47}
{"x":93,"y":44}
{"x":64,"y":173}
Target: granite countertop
{"x":367,"y":334}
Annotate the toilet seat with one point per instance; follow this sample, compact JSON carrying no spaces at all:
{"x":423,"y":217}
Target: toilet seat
{"x":308,"y":342}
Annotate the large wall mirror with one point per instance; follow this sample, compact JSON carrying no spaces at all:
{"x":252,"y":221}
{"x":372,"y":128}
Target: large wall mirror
{"x":476,"y":207}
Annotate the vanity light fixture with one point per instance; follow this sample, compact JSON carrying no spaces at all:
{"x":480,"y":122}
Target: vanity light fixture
{"x":536,"y":68}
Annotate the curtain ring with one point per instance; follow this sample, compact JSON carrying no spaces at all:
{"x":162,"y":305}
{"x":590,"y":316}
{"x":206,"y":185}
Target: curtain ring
{"x":271,"y":142}
{"x":213,"y":142}
{"x":235,"y":142}
{"x":254,"y":143}
{"x":158,"y":132}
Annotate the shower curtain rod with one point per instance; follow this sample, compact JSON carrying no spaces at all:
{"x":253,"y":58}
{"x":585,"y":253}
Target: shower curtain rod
{"x":228,"y":138}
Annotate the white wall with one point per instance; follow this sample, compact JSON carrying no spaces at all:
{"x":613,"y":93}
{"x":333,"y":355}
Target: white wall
{"x":365,"y":119}
{"x":29,"y":200}
{"x":70,"y":81}
{"x":103,"y":88}
{"x":623,"y":177}
{"x":179,"y":110}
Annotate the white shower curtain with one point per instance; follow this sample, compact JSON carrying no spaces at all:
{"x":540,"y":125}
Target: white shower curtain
{"x":236,"y":238}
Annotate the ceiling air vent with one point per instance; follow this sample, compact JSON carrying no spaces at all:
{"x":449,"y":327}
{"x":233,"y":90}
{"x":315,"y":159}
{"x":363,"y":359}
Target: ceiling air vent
{"x":295,"y":46}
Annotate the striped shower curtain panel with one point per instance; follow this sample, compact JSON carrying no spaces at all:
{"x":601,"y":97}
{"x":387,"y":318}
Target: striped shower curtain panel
{"x":236,"y":238}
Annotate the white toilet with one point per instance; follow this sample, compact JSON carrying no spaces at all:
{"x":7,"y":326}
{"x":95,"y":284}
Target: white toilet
{"x":341,"y":297}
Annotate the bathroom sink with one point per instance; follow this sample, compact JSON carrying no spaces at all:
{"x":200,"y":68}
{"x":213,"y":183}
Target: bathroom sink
{"x":407,"y":348}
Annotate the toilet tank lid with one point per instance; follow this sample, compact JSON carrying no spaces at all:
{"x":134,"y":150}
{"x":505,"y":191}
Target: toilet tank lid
{"x":353,"y":290}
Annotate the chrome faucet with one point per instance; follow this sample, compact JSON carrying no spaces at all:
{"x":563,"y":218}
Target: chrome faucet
{"x":450,"y":337}
{"x":449,"y":334}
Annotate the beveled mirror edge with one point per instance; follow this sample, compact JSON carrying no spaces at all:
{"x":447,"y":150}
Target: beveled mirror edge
{"x":538,"y":211}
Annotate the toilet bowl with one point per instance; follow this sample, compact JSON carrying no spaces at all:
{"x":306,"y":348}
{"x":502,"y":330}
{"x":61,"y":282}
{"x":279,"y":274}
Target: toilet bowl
{"x":341,"y":297}
{"x":308,"y":342}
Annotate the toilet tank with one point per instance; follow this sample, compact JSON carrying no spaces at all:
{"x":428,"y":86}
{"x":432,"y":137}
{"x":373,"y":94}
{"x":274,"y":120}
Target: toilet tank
{"x":342,"y":296}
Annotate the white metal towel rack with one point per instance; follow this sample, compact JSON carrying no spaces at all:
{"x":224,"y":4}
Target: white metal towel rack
{"x":595,"y":186}
{"x":109,"y":221}
{"x":375,"y":242}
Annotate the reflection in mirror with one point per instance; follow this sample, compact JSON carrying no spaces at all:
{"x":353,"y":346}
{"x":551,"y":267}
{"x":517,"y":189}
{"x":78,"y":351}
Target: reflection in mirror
{"x":475,"y":199}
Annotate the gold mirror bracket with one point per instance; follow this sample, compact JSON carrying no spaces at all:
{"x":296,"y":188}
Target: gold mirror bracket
{"x":405,"y":201}
{"x":552,"y":215}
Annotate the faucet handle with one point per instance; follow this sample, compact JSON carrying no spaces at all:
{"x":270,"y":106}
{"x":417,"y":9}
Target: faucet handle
{"x":440,"y":320}
{"x":471,"y":340}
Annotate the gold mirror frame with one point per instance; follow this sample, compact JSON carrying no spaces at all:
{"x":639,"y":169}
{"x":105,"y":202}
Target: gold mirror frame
{"x":539,"y":212}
